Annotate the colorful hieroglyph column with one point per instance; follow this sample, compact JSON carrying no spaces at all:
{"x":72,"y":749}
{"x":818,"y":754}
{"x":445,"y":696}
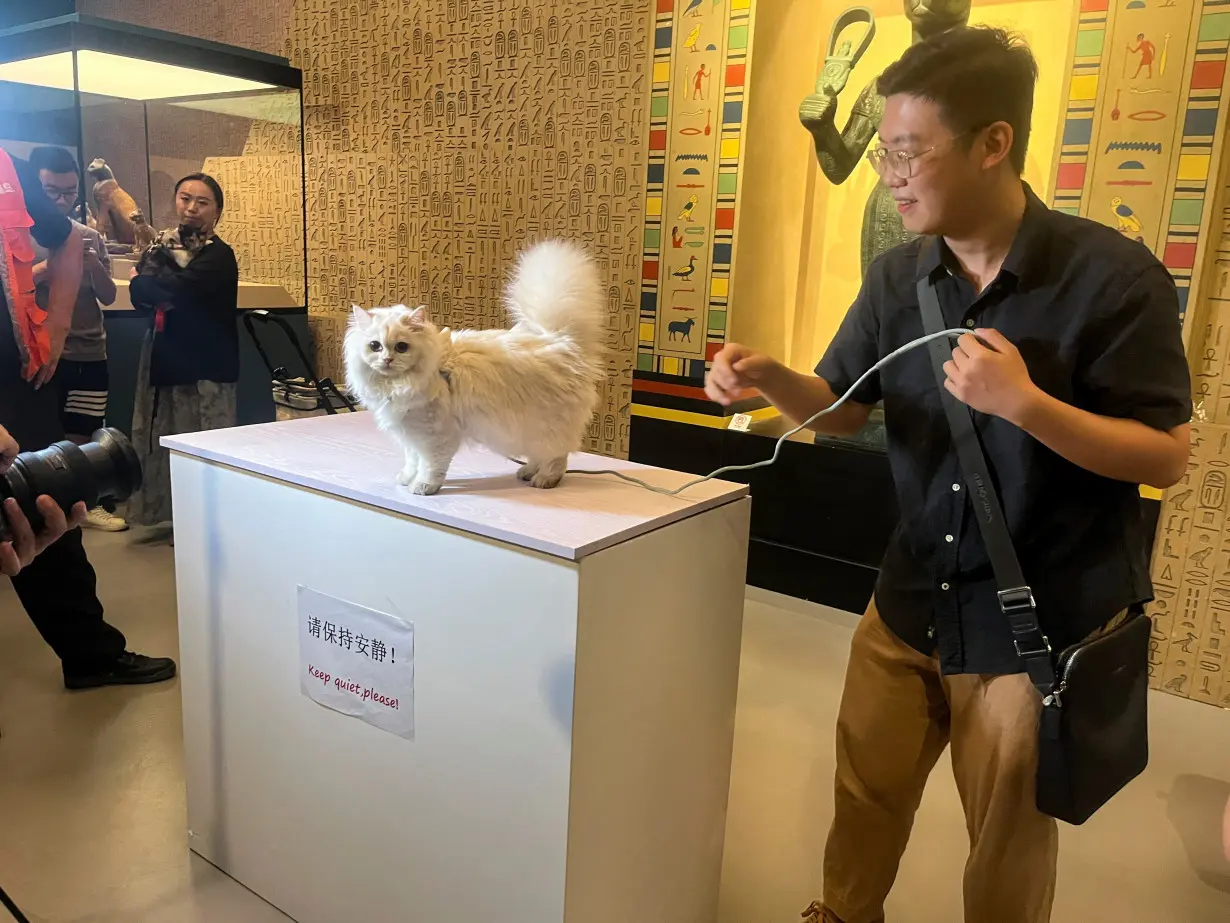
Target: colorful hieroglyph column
{"x":701,"y":55}
{"x":1144,"y":124}
{"x":1141,"y":150}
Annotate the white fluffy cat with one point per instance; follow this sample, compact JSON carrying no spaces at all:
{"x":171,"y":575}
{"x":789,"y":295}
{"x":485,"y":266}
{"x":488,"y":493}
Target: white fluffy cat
{"x":528,"y":392}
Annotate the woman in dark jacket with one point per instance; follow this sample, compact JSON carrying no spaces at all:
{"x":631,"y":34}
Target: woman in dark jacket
{"x":186,"y":381}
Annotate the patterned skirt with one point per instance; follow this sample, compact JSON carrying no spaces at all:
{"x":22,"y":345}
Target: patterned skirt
{"x":168,"y":411}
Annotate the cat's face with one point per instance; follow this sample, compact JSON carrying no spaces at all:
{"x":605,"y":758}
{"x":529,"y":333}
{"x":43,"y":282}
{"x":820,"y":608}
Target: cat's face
{"x":394,"y":342}
{"x":190,"y":238}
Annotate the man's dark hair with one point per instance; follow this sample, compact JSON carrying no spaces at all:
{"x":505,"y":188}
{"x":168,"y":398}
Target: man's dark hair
{"x":53,"y":160}
{"x":976,"y":76}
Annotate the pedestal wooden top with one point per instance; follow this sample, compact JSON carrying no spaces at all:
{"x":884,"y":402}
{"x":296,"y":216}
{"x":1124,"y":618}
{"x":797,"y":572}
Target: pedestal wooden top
{"x":347,"y":456}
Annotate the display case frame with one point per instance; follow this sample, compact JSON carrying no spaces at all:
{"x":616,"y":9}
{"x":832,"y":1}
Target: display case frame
{"x":246,"y":137}
{"x":73,"y":34}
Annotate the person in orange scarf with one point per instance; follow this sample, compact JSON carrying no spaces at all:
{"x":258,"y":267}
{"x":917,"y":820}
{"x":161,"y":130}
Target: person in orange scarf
{"x":58,"y":587}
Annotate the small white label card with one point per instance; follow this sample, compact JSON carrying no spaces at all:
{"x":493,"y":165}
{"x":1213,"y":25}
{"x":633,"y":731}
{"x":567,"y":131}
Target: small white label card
{"x":357,"y":661}
{"x":740,"y":422}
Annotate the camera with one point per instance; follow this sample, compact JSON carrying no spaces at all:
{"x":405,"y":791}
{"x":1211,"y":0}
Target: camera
{"x":105,"y":470}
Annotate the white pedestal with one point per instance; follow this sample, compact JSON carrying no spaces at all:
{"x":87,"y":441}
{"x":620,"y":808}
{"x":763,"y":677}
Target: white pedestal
{"x":576,"y":663}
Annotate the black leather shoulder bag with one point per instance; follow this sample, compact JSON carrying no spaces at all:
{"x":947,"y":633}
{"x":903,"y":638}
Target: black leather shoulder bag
{"x":1093,"y":734}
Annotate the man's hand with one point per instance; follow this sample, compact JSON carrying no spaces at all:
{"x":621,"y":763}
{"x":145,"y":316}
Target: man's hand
{"x":99,"y":274}
{"x":797,"y":397}
{"x":48,"y":371}
{"x":736,"y":369}
{"x":26,"y":546}
{"x":991,"y":380}
{"x":8,"y":450}
{"x":64,"y":268}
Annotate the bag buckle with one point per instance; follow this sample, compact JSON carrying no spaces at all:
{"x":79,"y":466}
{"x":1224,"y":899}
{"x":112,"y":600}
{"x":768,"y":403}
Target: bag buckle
{"x":1043,"y":649}
{"x":1017,"y":601}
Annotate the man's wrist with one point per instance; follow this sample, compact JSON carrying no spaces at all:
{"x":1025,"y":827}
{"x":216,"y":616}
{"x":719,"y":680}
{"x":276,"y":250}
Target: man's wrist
{"x":1034,"y":404}
{"x":772,"y":376}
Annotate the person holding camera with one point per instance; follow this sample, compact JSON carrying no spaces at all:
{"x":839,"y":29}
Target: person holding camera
{"x":82,"y":379}
{"x":58,"y":587}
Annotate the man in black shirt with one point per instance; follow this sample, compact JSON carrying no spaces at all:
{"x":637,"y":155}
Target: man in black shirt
{"x":58,"y":588}
{"x":1076,"y":372}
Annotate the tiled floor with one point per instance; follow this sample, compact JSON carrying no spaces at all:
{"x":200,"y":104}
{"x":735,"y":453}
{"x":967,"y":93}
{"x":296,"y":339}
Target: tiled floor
{"x":92,"y":825}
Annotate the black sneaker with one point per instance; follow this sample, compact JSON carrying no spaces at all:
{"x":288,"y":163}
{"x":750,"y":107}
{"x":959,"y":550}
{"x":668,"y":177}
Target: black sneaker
{"x":128,"y":669}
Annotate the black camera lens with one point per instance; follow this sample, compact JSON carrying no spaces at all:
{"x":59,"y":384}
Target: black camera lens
{"x":104,"y":470}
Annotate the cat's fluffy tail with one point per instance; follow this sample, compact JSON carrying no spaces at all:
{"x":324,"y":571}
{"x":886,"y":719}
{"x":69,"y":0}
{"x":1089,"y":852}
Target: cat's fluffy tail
{"x":556,"y":289}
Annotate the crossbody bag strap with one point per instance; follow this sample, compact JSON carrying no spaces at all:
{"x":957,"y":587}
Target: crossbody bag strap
{"x":1016,"y":599}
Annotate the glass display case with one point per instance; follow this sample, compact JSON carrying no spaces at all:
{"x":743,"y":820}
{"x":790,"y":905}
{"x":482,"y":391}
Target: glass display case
{"x":139,"y":109}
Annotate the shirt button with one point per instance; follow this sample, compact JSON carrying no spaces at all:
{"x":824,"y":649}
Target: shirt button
{"x":956,"y":486}
{"x":948,"y":538}
{"x":970,"y":324}
{"x":943,"y":586}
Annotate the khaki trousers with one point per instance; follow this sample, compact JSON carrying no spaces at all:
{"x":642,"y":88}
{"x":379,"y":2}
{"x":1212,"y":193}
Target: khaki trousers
{"x":898,"y":713}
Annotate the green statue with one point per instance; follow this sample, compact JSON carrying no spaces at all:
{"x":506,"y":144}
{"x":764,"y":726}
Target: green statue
{"x":838,"y":152}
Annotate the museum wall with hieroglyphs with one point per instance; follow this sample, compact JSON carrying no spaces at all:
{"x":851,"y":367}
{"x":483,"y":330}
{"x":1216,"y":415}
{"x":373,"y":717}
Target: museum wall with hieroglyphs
{"x":441,"y":138}
{"x":1144,"y":127}
{"x":1142,"y":149}
{"x":701,"y":59}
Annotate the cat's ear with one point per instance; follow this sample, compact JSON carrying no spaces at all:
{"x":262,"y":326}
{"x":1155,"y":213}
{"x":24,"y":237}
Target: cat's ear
{"x":359,"y":317}
{"x":417,"y":317}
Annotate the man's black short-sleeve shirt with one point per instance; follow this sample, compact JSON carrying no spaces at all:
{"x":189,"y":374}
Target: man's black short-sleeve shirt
{"x":1096,"y":318}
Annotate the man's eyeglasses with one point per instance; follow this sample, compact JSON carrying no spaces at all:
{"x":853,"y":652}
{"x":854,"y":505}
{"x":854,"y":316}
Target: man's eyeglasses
{"x":902,"y":164}
{"x":60,"y":195}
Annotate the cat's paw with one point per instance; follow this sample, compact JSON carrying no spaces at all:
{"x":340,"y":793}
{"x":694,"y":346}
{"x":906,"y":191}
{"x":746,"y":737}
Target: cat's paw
{"x":425,"y":488}
{"x":407,"y":476}
{"x":527,"y":472}
{"x":545,"y":480}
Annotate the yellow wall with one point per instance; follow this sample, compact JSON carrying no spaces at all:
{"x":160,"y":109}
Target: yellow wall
{"x":799,"y":267}
{"x":773,"y":224}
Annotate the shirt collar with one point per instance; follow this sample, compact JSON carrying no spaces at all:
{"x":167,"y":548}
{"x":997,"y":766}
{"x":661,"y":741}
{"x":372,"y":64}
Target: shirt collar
{"x":1027,"y":250}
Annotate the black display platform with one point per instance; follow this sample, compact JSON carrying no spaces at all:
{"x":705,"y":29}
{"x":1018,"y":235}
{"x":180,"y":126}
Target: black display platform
{"x":821,"y":516}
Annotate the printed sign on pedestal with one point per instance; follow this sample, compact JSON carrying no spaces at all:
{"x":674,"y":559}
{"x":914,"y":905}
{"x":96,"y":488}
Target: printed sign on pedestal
{"x":357,"y":661}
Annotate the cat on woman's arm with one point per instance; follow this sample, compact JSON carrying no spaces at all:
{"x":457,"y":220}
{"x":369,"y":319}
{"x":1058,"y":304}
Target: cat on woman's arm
{"x":528,"y":392}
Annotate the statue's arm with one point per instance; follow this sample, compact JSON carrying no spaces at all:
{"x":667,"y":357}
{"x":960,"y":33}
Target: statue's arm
{"x":838,"y":152}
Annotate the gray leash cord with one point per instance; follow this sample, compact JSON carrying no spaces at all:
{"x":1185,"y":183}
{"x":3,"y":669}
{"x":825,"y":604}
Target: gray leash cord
{"x":896,"y":353}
